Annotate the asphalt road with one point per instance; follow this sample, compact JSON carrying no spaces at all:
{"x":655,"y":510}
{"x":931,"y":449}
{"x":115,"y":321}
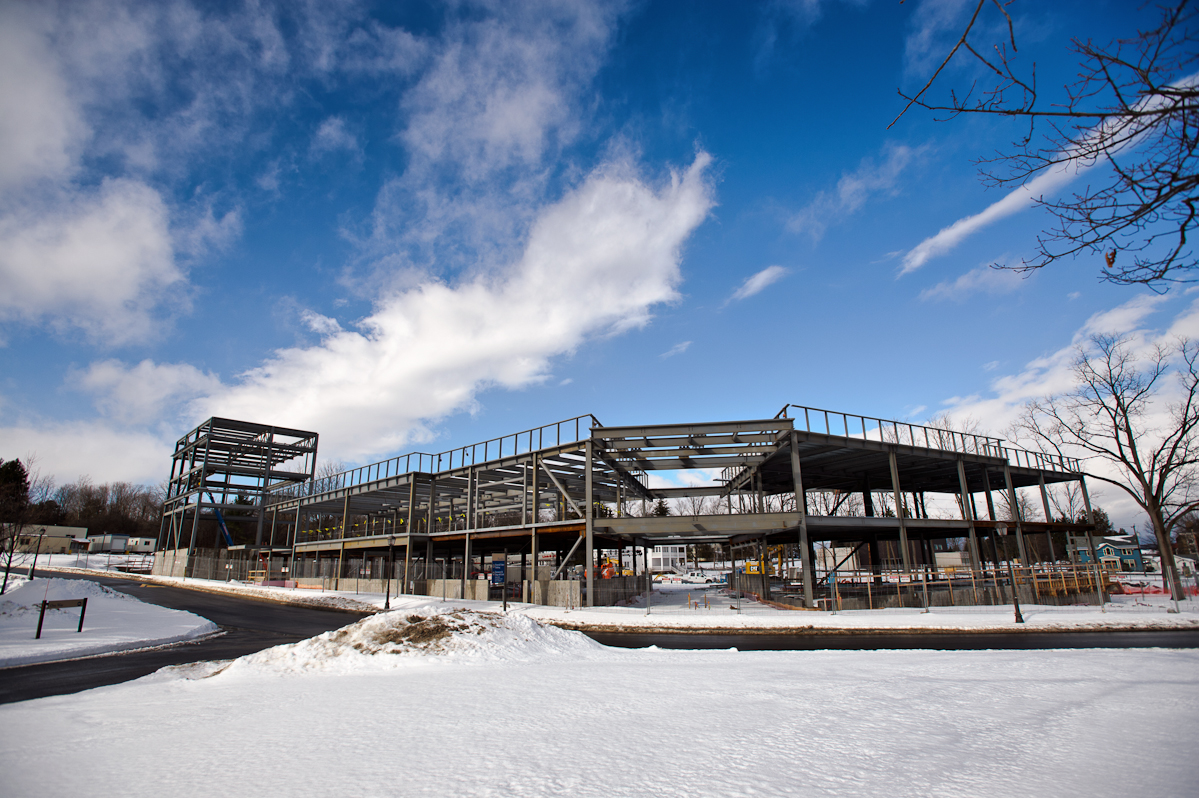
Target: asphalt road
{"x":249,"y":626}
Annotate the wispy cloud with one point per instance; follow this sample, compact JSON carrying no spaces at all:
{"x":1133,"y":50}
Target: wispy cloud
{"x":788,"y":20}
{"x":677,"y":349}
{"x":982,"y":279}
{"x":333,"y":135}
{"x":854,"y":189}
{"x":932,"y":24}
{"x":757,"y":282}
{"x":426,"y":351}
{"x":1015,"y":201}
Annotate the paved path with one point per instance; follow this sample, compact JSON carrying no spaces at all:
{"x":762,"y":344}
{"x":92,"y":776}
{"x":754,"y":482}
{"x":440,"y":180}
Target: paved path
{"x":249,"y":625}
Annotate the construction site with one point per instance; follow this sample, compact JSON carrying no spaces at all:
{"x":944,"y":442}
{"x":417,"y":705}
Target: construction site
{"x":568,"y":513}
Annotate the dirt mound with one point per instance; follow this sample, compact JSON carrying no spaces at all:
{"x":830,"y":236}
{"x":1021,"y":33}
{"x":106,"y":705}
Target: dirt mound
{"x":390,"y":639}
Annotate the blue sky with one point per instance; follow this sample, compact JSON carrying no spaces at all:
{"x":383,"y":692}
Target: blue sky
{"x":417,"y":225}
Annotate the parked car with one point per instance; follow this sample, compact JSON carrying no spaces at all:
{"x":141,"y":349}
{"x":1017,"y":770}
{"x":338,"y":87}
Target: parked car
{"x":697,"y":578}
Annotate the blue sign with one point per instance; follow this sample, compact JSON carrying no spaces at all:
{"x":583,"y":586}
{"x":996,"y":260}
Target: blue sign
{"x":497,"y":572}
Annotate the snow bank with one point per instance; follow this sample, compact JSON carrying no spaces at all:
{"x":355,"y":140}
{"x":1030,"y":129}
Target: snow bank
{"x":397,"y":638}
{"x":114,"y":622}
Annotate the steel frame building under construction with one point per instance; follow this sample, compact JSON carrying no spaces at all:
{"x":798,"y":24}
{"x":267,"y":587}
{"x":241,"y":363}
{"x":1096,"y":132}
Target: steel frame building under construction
{"x":567,"y":486}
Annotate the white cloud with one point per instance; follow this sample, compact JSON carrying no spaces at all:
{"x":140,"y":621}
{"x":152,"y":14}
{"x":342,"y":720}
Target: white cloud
{"x":757,"y":282}
{"x":1015,"y":201}
{"x":935,"y":24}
{"x":102,"y":262}
{"x":41,"y":129}
{"x":501,"y":98}
{"x":677,"y":349}
{"x":595,"y":262}
{"x":991,"y":366}
{"x":94,"y":449}
{"x":321,"y":325}
{"x":854,"y":189}
{"x":982,"y":279}
{"x":332,"y":135}
{"x":145,"y":391}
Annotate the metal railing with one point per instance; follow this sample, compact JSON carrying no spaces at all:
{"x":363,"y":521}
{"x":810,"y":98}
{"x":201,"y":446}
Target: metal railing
{"x":530,"y":440}
{"x":1042,"y":461}
{"x":867,"y":428}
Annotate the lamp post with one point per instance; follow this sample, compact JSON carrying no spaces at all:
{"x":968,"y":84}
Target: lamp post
{"x":391,"y":541}
{"x":36,"y":552}
{"x":1002,"y":529}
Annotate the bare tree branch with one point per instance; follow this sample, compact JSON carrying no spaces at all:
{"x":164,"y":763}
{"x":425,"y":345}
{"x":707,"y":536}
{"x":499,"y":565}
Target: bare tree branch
{"x":1134,"y":110}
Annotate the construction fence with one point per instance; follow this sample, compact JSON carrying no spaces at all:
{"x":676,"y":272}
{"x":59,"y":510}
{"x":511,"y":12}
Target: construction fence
{"x":1047,"y":584}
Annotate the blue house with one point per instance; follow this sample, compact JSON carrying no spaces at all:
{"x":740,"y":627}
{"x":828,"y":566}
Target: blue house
{"x":1116,"y":552}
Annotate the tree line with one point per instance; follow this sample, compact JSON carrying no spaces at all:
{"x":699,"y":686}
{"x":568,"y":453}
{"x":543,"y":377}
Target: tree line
{"x":116,"y":508}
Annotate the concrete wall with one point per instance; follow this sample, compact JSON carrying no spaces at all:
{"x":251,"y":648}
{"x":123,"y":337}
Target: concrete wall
{"x":172,"y":562}
{"x":476,"y":589}
{"x":558,"y":593}
{"x":609,"y":592}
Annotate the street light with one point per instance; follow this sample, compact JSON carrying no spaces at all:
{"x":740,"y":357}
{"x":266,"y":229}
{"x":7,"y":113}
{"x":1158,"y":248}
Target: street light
{"x":36,"y":552}
{"x":1002,"y":530}
{"x":391,"y":541}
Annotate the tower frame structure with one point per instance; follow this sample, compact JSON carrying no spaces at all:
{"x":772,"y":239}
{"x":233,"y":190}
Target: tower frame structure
{"x":227,"y":465}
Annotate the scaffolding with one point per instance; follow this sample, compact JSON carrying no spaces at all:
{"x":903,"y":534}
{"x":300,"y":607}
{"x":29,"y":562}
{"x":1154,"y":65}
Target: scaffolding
{"x":227,"y":469}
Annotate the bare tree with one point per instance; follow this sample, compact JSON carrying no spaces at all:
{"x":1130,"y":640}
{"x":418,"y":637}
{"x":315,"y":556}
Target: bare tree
{"x":1134,"y":109}
{"x":697,"y":505}
{"x":1115,"y":416}
{"x":835,"y":502}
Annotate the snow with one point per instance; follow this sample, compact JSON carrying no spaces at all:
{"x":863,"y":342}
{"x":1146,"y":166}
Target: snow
{"x":468,"y":703}
{"x":114,"y":622}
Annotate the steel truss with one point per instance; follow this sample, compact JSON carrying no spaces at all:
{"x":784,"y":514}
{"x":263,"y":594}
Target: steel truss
{"x":570,"y":484}
{"x":231,"y":469}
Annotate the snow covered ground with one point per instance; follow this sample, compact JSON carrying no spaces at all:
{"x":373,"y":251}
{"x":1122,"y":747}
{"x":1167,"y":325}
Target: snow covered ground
{"x":114,"y":622}
{"x":460,"y":703}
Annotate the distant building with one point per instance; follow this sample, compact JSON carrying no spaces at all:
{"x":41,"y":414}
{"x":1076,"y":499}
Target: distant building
{"x":1115,"y":552}
{"x":120,"y":544}
{"x":667,"y":558}
{"x":49,"y":539}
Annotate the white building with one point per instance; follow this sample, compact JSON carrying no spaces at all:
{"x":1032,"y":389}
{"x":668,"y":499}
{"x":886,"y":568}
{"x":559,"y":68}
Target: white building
{"x":120,"y":544}
{"x":667,"y":558}
{"x":49,"y":539}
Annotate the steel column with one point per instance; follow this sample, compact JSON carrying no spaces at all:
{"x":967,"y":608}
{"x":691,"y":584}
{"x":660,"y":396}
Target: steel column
{"x":1015,"y":510}
{"x":976,"y":560}
{"x":806,"y":565}
{"x":1086,"y":500}
{"x":903,"y":526}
